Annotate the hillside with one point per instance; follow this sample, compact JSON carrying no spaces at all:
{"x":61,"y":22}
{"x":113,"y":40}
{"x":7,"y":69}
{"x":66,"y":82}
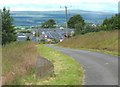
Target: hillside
{"x":33,"y":18}
{"x":102,"y":41}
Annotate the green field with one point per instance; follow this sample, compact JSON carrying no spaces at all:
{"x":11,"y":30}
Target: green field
{"x":67,"y":71}
{"x":103,"y":41}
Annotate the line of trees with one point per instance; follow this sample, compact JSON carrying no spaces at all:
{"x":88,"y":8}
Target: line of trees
{"x":78,"y":23}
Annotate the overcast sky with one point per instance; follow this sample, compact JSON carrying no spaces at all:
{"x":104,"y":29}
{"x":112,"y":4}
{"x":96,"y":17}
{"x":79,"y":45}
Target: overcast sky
{"x":41,"y":5}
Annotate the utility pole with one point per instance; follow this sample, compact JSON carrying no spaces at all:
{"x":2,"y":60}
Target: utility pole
{"x":66,"y":21}
{"x":66,"y":25}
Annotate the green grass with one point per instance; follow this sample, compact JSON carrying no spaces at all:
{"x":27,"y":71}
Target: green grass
{"x":103,"y":41}
{"x":67,"y":71}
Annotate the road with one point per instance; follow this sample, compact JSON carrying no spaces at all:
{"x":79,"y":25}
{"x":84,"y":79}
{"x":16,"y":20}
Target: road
{"x":100,"y":69}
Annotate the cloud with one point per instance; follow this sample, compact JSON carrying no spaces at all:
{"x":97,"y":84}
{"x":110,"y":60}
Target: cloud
{"x":95,"y":5}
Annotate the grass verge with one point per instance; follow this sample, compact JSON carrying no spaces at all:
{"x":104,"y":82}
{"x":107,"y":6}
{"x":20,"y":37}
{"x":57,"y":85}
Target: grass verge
{"x":18,"y":59}
{"x":67,"y":70}
{"x":103,"y":41}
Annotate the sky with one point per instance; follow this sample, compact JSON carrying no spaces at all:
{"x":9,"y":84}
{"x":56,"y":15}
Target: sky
{"x":47,"y":5}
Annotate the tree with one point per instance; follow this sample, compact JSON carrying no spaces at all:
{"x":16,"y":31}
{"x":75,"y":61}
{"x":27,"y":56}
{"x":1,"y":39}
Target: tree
{"x":111,"y":23}
{"x":79,"y":28}
{"x":75,"y":20}
{"x":8,"y":31}
{"x":28,"y":38}
{"x":49,"y":24}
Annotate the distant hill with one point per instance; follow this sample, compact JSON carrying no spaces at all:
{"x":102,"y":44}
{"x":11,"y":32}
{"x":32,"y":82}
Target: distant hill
{"x":32,"y":18}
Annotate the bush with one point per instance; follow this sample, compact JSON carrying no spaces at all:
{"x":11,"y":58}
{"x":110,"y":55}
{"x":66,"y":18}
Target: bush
{"x":43,"y":41}
{"x":28,"y":38}
{"x":79,"y":29}
{"x":75,"y":20}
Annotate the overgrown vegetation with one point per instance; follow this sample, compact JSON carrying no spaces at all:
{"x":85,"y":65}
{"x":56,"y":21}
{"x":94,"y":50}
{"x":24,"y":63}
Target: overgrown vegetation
{"x":17,"y":60}
{"x":103,"y":40}
{"x":67,"y":70}
{"x":8,"y":34}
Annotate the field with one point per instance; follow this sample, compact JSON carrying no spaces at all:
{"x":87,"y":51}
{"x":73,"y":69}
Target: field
{"x":67,"y":71}
{"x":105,"y":41}
{"x":17,"y":60}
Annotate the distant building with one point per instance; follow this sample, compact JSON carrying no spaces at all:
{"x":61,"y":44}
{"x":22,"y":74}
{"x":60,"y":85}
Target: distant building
{"x":61,"y":40}
{"x":72,"y":33}
{"x":43,"y":32}
{"x":93,"y":25}
{"x":21,"y":37}
{"x":33,"y":33}
{"x":61,"y":28}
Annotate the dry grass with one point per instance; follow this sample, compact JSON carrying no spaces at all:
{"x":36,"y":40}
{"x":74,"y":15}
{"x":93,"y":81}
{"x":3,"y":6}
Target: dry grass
{"x":104,"y":40}
{"x":66,"y":70}
{"x":17,"y":60}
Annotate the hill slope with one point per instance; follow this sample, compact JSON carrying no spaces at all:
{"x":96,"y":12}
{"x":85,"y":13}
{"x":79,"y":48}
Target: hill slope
{"x":103,"y":40}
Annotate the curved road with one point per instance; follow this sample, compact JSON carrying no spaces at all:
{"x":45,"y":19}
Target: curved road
{"x":100,"y":69}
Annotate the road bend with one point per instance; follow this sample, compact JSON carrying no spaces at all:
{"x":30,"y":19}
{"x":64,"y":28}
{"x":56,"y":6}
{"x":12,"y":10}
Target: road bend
{"x":100,"y":68}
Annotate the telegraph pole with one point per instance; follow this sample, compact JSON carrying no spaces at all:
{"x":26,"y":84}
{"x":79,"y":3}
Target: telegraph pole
{"x":66,"y":25}
{"x":66,"y":21}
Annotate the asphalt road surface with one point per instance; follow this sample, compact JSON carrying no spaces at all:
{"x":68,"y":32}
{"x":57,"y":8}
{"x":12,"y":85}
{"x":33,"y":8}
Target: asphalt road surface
{"x":100,"y":69}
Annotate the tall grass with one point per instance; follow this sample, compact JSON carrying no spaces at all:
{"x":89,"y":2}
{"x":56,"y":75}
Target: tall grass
{"x":103,"y":40}
{"x":17,"y":59}
{"x":66,"y":70}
